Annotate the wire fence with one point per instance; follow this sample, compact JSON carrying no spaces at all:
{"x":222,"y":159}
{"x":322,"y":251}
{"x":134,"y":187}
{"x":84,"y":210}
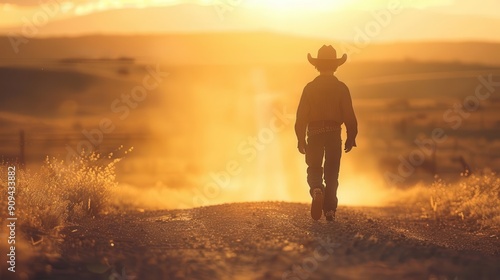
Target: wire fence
{"x":24,"y":146}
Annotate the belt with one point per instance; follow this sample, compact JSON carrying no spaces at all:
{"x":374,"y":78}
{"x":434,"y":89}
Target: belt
{"x":319,"y":124}
{"x":319,"y":127}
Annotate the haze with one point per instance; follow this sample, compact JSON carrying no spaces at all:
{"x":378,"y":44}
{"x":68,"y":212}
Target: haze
{"x":415,"y":20}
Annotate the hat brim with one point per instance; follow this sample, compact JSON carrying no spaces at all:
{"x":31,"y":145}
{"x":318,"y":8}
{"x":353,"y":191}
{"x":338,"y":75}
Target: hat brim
{"x":337,"y":61}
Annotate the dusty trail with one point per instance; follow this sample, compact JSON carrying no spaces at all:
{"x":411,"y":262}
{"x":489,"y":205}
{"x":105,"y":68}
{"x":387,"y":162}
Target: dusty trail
{"x":266,"y":240}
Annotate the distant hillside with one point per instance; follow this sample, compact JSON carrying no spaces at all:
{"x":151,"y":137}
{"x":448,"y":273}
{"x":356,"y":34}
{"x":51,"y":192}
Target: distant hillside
{"x":235,"y":48}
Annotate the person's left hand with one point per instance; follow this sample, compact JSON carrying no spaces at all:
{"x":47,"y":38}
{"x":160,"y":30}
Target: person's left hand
{"x":349,"y":144}
{"x":302,"y":147}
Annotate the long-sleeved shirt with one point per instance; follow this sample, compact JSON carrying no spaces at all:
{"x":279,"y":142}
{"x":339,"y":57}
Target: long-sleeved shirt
{"x":326,"y":99}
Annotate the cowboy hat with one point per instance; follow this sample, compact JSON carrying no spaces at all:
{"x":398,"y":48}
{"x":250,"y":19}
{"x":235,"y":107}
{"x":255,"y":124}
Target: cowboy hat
{"x":327,"y":54}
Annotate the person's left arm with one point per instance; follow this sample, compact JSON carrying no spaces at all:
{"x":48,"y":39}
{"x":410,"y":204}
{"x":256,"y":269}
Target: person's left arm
{"x":302,"y":120}
{"x":349,"y":118}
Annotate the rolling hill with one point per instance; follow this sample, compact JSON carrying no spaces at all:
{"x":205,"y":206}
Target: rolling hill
{"x":236,"y":48}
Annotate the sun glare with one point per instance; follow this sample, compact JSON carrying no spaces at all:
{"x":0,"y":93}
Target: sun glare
{"x":297,"y":5}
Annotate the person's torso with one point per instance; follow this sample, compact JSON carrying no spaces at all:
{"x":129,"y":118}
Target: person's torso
{"x":325,"y":97}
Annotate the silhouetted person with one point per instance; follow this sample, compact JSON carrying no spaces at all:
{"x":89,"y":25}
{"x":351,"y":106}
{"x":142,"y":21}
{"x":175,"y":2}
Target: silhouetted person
{"x":324,"y":106}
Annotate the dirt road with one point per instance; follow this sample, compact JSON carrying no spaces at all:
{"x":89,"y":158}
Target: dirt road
{"x":272,"y":240}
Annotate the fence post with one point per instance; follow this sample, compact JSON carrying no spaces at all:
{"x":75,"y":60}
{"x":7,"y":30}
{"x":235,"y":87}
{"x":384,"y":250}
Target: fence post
{"x":22,"y":159}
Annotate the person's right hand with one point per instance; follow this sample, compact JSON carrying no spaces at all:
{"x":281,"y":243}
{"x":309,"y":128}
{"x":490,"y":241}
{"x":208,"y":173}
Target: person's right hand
{"x":302,"y":147}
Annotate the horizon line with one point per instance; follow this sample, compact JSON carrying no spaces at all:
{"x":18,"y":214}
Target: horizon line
{"x":234,"y":32}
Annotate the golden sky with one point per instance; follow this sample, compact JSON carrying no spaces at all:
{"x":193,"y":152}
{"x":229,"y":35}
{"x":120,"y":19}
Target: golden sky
{"x":422,"y":16}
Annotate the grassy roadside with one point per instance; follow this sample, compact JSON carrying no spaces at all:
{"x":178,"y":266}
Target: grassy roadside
{"x":471,"y":202}
{"x":58,"y":195}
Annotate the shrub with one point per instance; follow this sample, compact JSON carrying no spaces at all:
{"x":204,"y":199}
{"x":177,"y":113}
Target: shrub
{"x":85,"y":185}
{"x":60,"y":192}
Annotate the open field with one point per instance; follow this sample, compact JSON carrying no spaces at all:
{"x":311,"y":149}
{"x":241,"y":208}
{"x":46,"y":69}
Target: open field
{"x":178,"y":124}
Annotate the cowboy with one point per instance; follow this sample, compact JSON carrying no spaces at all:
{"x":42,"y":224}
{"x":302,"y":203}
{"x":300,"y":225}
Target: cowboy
{"x":324,"y":106}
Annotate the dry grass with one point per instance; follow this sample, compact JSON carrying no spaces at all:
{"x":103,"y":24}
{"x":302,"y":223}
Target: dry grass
{"x":60,"y":194}
{"x":473,"y":200}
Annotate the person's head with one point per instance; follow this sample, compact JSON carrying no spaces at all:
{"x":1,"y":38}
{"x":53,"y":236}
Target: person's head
{"x":326,"y":66}
{"x":327,"y":61}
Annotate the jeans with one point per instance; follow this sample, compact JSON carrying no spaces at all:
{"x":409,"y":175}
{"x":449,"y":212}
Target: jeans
{"x":327,"y":145}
